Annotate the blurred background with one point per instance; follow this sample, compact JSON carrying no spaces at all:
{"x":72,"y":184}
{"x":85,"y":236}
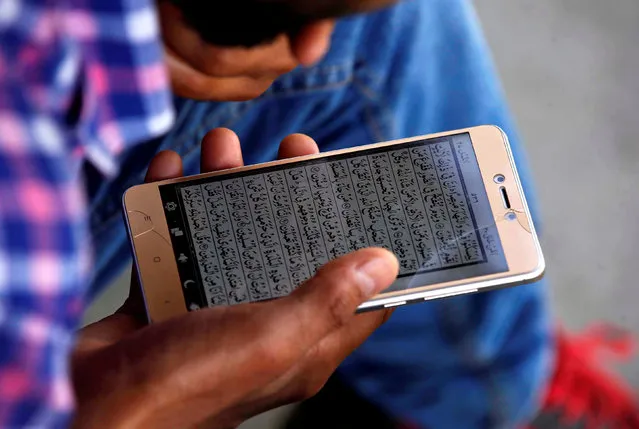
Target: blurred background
{"x":571,"y":72}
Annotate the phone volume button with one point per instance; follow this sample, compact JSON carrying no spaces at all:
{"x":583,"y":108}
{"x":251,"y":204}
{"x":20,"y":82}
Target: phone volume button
{"x":395,"y":304}
{"x":450,"y":294}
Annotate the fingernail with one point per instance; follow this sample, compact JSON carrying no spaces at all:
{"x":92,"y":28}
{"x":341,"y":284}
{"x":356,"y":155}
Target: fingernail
{"x":374,"y":274}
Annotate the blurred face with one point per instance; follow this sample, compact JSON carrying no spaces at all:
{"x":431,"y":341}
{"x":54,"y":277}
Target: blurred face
{"x":203,"y":71}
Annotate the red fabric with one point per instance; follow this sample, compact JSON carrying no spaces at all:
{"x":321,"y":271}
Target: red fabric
{"x":582,"y":390}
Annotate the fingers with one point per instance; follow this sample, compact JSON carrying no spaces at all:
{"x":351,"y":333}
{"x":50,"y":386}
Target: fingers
{"x":312,"y":42}
{"x":191,"y":83}
{"x":327,"y":302}
{"x":297,"y":145}
{"x":220,"y":150}
{"x":165,"y":165}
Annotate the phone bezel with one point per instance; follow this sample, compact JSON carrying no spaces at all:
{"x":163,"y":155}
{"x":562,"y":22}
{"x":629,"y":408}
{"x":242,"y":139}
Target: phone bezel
{"x":157,"y":267}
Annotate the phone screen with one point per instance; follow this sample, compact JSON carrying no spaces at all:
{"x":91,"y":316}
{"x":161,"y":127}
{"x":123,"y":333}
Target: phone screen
{"x":256,"y":235}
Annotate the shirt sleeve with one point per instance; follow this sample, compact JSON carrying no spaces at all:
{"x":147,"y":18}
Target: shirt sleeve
{"x":108,"y":52}
{"x":44,"y":254}
{"x":44,"y":246}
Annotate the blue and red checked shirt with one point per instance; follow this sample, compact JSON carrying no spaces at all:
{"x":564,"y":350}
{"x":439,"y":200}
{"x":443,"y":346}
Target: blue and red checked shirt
{"x":106,"y":58}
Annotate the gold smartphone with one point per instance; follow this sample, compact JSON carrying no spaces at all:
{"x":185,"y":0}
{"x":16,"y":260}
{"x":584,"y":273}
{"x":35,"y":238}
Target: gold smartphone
{"x":449,"y":205}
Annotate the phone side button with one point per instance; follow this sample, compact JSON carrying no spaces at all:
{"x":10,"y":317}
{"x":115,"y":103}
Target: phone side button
{"x":395,"y":304}
{"x":450,"y":295}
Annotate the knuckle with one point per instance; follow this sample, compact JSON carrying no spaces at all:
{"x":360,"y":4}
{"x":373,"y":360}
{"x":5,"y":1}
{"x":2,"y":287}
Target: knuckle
{"x":339,"y":310}
{"x":343,"y":295}
{"x":340,"y":278}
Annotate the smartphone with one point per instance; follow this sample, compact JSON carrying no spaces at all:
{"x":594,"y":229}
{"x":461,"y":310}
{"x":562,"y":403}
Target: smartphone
{"x":450,"y":206}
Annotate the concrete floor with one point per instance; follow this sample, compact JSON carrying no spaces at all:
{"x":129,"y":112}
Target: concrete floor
{"x":570,"y":68}
{"x":570,"y":71}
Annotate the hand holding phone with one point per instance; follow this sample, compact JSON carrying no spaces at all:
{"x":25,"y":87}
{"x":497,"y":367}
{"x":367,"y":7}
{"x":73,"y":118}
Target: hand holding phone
{"x":218,"y":367}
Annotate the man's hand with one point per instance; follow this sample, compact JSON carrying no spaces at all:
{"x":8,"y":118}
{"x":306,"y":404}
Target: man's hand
{"x":218,"y":367}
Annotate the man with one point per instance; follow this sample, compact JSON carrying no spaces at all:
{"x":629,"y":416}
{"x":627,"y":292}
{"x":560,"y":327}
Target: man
{"x":415,"y":68}
{"x":82,"y":82}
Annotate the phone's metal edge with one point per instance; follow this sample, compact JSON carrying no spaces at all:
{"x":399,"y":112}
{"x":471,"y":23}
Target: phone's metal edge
{"x":541,"y":268}
{"x":134,"y":255}
{"x":481,"y":286}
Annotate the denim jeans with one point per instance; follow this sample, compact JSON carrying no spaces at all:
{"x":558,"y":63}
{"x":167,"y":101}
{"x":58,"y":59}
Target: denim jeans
{"x":423,"y":66}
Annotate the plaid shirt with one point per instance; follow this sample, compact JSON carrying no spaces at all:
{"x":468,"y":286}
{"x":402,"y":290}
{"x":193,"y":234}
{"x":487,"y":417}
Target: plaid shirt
{"x":104,"y":57}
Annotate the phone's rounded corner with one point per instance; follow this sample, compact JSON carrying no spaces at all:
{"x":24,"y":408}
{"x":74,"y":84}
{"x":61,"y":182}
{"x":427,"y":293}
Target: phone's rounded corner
{"x":486,"y":126}
{"x":538,"y":272}
{"x":489,"y":133}
{"x":492,"y":129}
{"x":128,"y":197}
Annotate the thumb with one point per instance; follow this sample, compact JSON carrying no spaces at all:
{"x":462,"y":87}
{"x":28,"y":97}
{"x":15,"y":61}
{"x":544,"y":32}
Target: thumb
{"x":329,"y":300}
